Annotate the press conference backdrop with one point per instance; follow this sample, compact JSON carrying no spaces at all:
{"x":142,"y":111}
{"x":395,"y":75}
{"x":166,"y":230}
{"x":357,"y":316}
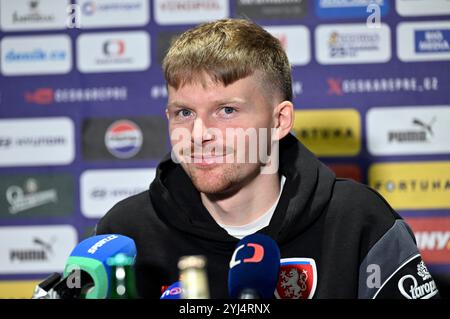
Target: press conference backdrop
{"x":82,"y":100}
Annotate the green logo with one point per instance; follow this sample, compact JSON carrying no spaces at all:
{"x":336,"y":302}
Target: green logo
{"x":38,"y":195}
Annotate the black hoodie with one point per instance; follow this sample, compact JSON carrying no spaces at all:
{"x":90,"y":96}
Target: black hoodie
{"x":361,"y":247}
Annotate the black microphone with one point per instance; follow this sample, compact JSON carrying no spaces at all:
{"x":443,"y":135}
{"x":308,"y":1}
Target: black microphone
{"x":42,"y":289}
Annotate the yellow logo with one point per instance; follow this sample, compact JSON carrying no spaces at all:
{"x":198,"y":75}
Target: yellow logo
{"x":22,"y":289}
{"x":329,"y":132}
{"x":417,"y":185}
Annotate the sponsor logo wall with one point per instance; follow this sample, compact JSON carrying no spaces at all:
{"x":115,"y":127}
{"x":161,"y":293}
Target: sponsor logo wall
{"x":25,"y":55}
{"x":352,"y":44}
{"x":113,"y":52}
{"x":433,"y":238}
{"x":102,"y":189}
{"x":82,"y":101}
{"x":413,"y":185}
{"x":116,"y":13}
{"x":35,"y":249}
{"x":329,"y":132}
{"x":27,"y":15}
{"x":36,"y":195}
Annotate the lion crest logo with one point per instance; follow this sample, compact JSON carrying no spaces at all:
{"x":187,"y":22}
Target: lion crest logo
{"x":297,"y":278}
{"x":422,"y":271}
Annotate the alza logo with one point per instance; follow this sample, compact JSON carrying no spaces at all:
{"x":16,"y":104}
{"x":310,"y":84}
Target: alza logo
{"x":100,"y":243}
{"x":39,"y":253}
{"x":258,"y":255}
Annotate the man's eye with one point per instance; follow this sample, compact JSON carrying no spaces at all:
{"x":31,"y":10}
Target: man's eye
{"x":184,"y":113}
{"x":228,"y":110}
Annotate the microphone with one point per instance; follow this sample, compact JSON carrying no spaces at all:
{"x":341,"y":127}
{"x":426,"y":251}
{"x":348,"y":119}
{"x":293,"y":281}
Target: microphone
{"x":173,"y":292}
{"x":87,"y":273}
{"x":42,"y":289}
{"x":254,"y":268}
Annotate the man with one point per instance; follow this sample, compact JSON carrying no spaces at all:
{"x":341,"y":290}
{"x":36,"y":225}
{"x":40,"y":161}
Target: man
{"x":235,"y":169}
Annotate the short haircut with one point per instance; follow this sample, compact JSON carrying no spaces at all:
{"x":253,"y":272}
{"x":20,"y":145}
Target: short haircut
{"x":228,"y":50}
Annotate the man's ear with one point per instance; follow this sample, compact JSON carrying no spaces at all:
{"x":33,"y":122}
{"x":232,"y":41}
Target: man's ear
{"x":284,"y":119}
{"x":167,"y":114}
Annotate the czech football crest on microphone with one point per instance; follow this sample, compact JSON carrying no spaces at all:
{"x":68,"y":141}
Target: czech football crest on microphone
{"x":297,"y":278}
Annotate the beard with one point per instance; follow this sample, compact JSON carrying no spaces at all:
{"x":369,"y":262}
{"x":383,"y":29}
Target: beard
{"x":219,"y":169}
{"x":221,"y":180}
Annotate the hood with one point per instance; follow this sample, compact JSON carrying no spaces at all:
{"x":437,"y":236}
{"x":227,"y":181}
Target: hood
{"x":306,"y":193}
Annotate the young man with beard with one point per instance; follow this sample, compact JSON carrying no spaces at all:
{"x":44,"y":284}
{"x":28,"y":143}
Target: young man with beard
{"x":235,"y":170}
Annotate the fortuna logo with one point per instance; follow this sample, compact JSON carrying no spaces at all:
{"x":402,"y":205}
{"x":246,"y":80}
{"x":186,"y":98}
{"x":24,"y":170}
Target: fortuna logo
{"x":326,"y":133}
{"x":413,"y":185}
{"x":414,"y":290}
{"x":297,"y":279}
{"x":31,"y":198}
{"x":100,"y":243}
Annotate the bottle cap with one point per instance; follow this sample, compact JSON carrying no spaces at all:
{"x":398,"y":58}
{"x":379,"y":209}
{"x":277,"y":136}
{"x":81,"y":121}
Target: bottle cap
{"x":195,"y":261}
{"x":120,"y":260}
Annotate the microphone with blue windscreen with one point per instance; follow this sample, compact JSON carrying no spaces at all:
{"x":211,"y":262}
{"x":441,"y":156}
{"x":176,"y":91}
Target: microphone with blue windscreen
{"x":87,"y":273}
{"x":254,"y":268}
{"x":91,"y":255}
{"x":173,"y":292}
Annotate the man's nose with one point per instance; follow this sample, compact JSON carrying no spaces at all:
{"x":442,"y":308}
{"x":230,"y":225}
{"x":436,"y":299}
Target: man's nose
{"x":201,"y":132}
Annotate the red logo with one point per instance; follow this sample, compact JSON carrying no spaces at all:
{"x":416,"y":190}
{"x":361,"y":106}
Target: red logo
{"x":258,"y":255}
{"x":433,"y":238}
{"x":347,"y":171}
{"x":114,"y":48}
{"x":335,"y":86}
{"x":40,"y":96}
{"x":297,"y":278}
